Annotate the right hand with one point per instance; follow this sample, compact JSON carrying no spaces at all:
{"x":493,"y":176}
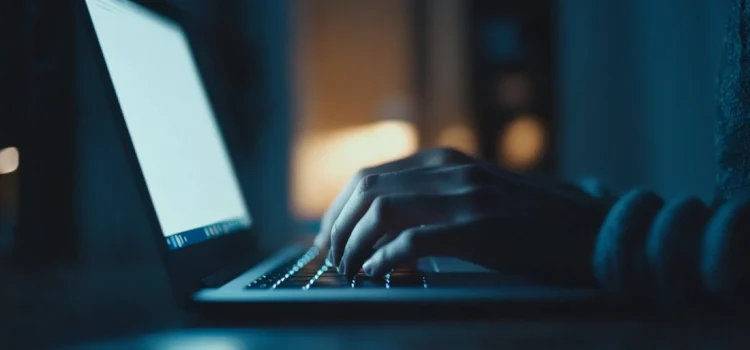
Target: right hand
{"x":425,"y":158}
{"x":444,"y":203}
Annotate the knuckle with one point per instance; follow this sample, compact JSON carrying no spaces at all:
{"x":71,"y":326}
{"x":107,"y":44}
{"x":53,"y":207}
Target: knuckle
{"x":411,"y":239}
{"x":366,"y":183}
{"x":361,"y":174}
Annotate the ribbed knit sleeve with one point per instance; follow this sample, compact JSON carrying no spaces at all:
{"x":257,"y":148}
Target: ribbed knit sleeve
{"x":677,"y":253}
{"x":732,"y":138}
{"x":682,"y":252}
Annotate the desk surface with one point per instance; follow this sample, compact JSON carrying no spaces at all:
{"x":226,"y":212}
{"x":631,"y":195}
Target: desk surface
{"x":68,"y":306}
{"x":489,"y":335}
{"x":133,"y":309}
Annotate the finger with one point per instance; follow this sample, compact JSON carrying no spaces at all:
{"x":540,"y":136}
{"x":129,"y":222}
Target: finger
{"x":409,"y":246}
{"x":432,"y":157}
{"x":353,"y":209}
{"x":323,"y":239}
{"x":459,"y":238}
{"x":396,"y":213}
{"x":422,"y":181}
{"x":384,"y":239}
{"x":382,"y":216}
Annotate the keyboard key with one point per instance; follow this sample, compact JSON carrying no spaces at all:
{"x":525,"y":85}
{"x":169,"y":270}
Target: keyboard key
{"x":312,"y":272}
{"x":292,"y":285}
{"x":362,"y":281}
{"x":414,"y":281}
{"x":261,"y":285}
{"x":329,"y":283}
{"x":326,"y":286}
{"x":369,"y":284}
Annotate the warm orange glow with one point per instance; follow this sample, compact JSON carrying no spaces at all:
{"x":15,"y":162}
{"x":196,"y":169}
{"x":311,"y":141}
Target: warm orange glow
{"x":8,"y":160}
{"x":458,"y":136}
{"x":523,"y":143}
{"x":325,"y":161}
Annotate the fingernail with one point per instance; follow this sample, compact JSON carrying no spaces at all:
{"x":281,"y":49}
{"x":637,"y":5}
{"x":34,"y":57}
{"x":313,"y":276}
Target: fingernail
{"x":330,"y":256}
{"x":367,"y":268}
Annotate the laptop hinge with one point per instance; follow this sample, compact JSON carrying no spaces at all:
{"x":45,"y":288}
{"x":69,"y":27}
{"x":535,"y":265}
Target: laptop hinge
{"x":223,"y":276}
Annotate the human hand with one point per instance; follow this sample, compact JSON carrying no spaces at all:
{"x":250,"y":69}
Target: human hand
{"x":425,"y":158}
{"x":464,"y":208}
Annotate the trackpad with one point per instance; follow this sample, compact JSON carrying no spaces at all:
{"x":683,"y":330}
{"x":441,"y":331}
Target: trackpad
{"x":449,"y":265}
{"x":452,"y":272}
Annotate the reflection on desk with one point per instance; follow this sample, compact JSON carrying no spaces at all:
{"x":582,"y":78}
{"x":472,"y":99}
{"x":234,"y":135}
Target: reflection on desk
{"x":487,"y":335}
{"x":132,"y":308}
{"x":40,"y":309}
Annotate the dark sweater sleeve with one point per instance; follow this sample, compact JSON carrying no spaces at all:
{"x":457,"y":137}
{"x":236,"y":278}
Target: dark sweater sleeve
{"x":684,"y":252}
{"x":678,"y":253}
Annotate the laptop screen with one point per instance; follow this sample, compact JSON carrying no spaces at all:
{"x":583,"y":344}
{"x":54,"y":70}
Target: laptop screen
{"x":173,"y":129}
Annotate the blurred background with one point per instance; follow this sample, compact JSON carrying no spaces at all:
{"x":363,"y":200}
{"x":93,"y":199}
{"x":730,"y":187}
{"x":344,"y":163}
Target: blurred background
{"x":316,"y":89}
{"x":620,"y":91}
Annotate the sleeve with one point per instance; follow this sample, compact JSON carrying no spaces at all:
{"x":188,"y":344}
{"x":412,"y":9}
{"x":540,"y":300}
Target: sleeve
{"x":682,"y":252}
{"x":678,"y":253}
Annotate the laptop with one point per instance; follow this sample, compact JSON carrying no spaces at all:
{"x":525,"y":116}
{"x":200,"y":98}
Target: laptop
{"x":203,"y":226}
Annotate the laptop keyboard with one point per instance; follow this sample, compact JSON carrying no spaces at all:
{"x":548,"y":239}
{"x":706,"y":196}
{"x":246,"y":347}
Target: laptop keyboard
{"x":312,"y":271}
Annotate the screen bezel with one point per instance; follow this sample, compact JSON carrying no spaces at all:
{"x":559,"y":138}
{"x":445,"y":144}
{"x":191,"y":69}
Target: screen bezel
{"x":188,"y":265}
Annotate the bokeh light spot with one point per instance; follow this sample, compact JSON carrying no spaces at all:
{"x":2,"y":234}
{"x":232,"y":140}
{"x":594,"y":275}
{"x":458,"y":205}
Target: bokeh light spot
{"x":523,"y":143}
{"x":8,"y":160}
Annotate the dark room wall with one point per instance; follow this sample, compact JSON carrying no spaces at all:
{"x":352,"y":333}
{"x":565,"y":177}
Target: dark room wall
{"x":638,"y":92}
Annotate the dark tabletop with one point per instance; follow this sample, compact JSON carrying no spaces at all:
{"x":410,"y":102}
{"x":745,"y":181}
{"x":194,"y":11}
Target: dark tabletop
{"x":132,"y":308}
{"x":475,"y":335}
